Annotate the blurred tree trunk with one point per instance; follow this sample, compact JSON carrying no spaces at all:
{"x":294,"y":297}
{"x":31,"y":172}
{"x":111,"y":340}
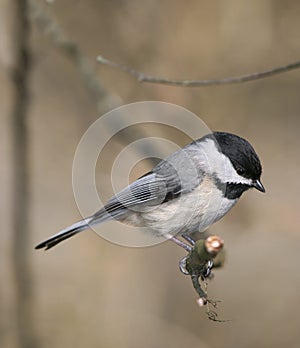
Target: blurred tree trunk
{"x":19,"y":71}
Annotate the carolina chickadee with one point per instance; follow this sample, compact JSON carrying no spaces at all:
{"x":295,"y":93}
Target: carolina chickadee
{"x":185,"y":193}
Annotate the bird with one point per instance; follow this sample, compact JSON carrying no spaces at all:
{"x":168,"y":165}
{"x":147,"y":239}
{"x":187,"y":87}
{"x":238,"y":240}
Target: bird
{"x":184,"y":193}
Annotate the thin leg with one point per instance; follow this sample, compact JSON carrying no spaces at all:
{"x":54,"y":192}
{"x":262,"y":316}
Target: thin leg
{"x":187,"y":247}
{"x":188,"y":239}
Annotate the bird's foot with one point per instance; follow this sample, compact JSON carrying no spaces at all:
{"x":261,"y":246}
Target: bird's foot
{"x":182,"y":266}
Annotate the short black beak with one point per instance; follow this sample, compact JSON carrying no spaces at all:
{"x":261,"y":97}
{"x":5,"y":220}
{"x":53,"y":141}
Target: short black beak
{"x":258,"y":185}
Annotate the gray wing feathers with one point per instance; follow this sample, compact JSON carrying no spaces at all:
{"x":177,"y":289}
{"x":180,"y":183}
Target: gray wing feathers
{"x":144,"y":192}
{"x":177,"y":175}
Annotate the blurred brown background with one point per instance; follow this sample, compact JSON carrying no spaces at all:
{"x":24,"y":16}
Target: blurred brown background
{"x":89,"y":292}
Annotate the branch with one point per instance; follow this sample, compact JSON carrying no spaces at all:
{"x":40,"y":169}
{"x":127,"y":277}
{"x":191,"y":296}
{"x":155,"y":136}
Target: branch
{"x":103,"y":99}
{"x":141,"y":77}
{"x":198,"y":264}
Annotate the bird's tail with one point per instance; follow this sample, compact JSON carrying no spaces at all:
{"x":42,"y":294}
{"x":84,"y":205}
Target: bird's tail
{"x":65,"y":234}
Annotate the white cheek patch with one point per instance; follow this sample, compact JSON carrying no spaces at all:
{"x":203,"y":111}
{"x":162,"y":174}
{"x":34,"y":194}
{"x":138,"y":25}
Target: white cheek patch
{"x":221,"y":165}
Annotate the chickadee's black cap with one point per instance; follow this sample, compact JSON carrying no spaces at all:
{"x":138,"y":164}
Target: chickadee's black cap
{"x":241,"y":154}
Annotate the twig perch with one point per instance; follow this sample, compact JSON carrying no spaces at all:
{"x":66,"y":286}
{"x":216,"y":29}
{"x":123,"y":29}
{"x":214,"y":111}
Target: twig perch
{"x":141,"y":77}
{"x":198,"y":264}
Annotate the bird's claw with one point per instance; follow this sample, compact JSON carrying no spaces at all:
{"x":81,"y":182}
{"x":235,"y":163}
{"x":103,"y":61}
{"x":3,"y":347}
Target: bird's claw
{"x":206,"y":274}
{"x":209,"y":267}
{"x":182,"y":266}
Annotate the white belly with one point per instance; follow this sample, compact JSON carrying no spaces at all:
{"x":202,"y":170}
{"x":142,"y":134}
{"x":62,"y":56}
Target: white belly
{"x":192,"y":212}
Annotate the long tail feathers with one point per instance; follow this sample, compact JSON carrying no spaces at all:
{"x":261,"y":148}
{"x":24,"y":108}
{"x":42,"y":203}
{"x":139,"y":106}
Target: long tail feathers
{"x":65,"y":234}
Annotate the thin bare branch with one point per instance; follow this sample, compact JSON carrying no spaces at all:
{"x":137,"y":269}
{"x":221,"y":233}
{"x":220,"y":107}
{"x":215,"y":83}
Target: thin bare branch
{"x":141,"y":77}
{"x":103,"y":99}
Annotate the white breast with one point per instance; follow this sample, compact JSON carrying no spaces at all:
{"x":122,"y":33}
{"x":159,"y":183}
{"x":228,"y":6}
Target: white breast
{"x":192,"y":212}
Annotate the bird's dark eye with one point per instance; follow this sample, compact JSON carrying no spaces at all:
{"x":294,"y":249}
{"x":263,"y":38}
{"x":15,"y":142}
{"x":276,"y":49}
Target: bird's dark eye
{"x":240,"y":171}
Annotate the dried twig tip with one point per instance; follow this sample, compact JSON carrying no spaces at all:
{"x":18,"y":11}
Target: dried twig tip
{"x":202,"y":301}
{"x":214,"y":244}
